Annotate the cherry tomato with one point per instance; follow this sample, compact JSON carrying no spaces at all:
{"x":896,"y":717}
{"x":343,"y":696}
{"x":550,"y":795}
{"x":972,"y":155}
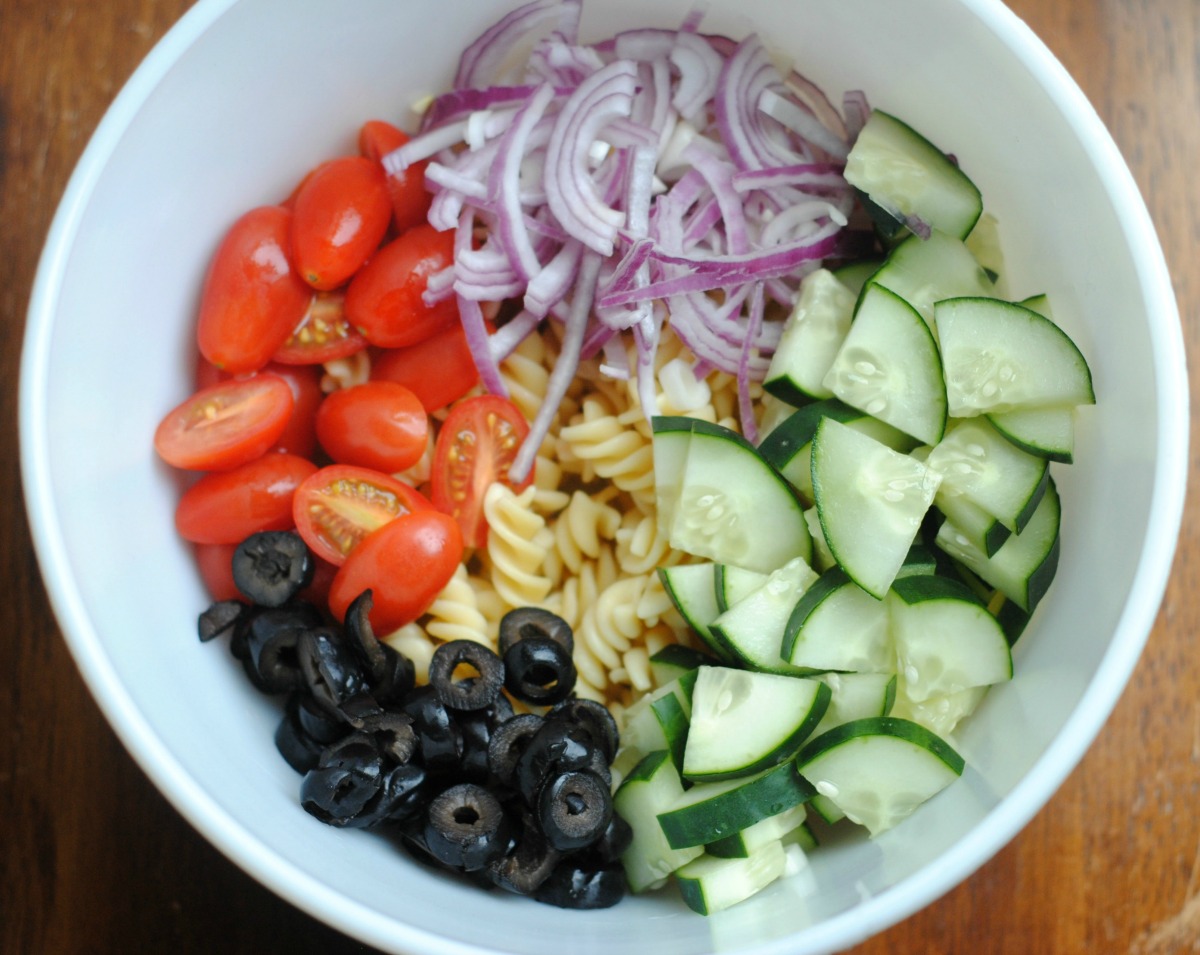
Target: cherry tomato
{"x":476,"y":446}
{"x":252,"y":298}
{"x":383,"y":301}
{"x":405,"y":564}
{"x":340,"y":215}
{"x":300,"y":433}
{"x":439,"y":370}
{"x":226,"y":507}
{"x":317,"y":592}
{"x":339,"y":505}
{"x":410,"y":200}
{"x":225,"y":425}
{"x":215,"y":564}
{"x":323,"y":335}
{"x":379,"y":424}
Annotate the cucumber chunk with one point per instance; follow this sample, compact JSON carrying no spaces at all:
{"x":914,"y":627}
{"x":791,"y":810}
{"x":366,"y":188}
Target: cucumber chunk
{"x":925,"y":271}
{"x":982,"y":529}
{"x":871,"y":502}
{"x":854,"y":275}
{"x":743,"y":722}
{"x":1000,"y":356}
{"x":734,"y":583}
{"x":946,"y":640}
{"x":672,"y":438}
{"x":710,"y":884}
{"x":691,"y":589}
{"x":772,"y":829}
{"x":836,"y":625}
{"x":879,"y":770}
{"x":855,"y":696}
{"x":1047,"y":432}
{"x":811,"y":338}
{"x":651,"y":787}
{"x":889,"y":366}
{"x":733,"y":507}
{"x":940,"y":713}
{"x":907,"y":175}
{"x":752,"y":629}
{"x":676,"y":660}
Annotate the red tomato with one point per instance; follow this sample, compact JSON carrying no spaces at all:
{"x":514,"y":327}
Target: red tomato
{"x":340,"y":215}
{"x":226,"y":507}
{"x":252,"y":298}
{"x":317,"y":592}
{"x":226,"y":425}
{"x":383,"y":301}
{"x":439,"y":370}
{"x":476,"y":446}
{"x":405,"y":564}
{"x":323,"y":335}
{"x":300,"y":433}
{"x":341,"y":504}
{"x":215,"y":563}
{"x":379,"y":424}
{"x":410,"y":200}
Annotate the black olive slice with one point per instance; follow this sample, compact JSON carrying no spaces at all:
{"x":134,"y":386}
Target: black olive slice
{"x":393,"y":734}
{"x":271,"y":567}
{"x":466,"y":827}
{"x":508,"y":742}
{"x":526,"y":622}
{"x":539,"y":671}
{"x":401,"y":795}
{"x":580,"y":882}
{"x":344,"y":782}
{"x":556,"y":748}
{"x":475,"y":692}
{"x":295,"y":744}
{"x":592,"y":716}
{"x":615,"y":839}
{"x":439,"y":737}
{"x":361,"y":635}
{"x":574,"y":810}
{"x":331,"y":672}
{"x":527,"y":866}
{"x":222,"y":617}
{"x":272,"y":661}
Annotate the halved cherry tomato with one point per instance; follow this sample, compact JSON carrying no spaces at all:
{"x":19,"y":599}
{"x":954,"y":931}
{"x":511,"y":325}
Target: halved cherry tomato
{"x":378,"y":424}
{"x":439,"y":370}
{"x":215,"y":564}
{"x":410,"y":200}
{"x":226,"y":507}
{"x":384,"y":300}
{"x":323,"y":335}
{"x":300,"y":433}
{"x":252,"y":298}
{"x":339,"y":505}
{"x":225,"y":425}
{"x":405,"y":564}
{"x":476,"y":446}
{"x":317,"y":592}
{"x":340,"y":214}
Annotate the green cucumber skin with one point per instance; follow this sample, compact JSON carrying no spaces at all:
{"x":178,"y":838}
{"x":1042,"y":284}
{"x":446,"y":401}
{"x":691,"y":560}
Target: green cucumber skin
{"x":883,"y":726}
{"x":826,"y":584}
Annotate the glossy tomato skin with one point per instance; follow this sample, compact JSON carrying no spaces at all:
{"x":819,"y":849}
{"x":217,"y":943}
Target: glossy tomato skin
{"x":225,"y":425}
{"x":439,"y":370}
{"x":324,"y":334}
{"x":299,"y":435}
{"x":384,"y":300}
{"x":410,"y":199}
{"x":476,"y":446}
{"x":215,"y":564}
{"x":252,"y":297}
{"x":405,"y":564}
{"x":340,"y":214}
{"x":339,"y":505}
{"x":226,"y":507}
{"x":378,"y":424}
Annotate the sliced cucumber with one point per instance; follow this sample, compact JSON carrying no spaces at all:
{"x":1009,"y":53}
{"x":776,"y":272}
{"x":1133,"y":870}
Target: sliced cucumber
{"x":925,"y":271}
{"x":871,"y":501}
{"x":854,"y":275}
{"x":982,"y":529}
{"x":837,"y":625}
{"x":919,"y":560}
{"x":691,"y":589}
{"x":672,"y":438}
{"x":979,"y":464}
{"x":889,"y":366}
{"x":879,"y":770}
{"x":811,"y":338}
{"x":984,"y":243}
{"x":1023,"y":568}
{"x":1047,"y":432}
{"x":676,"y":660}
{"x":940,"y":713}
{"x":733,"y":507}
{"x":734,"y":583}
{"x":822,"y":555}
{"x":711,"y":811}
{"x":752,"y":629}
{"x":743,"y":722}
{"x":788,"y":448}
{"x":656,"y":721}
{"x":772,"y":829}
{"x":907,"y":175}
{"x":710,"y":883}
{"x":855,"y":696}
{"x":946,"y":640}
{"x":1000,"y":356}
{"x":650,"y":788}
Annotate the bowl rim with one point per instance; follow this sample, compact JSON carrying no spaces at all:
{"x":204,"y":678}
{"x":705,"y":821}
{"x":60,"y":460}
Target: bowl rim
{"x":851,"y":927}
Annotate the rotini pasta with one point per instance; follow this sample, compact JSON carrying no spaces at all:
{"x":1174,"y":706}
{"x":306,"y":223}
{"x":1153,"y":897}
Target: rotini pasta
{"x":455,"y":614}
{"x":518,"y":541}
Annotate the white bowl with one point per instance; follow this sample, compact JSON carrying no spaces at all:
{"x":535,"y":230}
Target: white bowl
{"x":235,"y":103}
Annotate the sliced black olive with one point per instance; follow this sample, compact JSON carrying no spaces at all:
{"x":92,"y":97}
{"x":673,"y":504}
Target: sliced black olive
{"x":439,"y":737}
{"x":295,"y":744}
{"x":472,"y":693}
{"x":614,"y":840}
{"x":508,"y":742}
{"x":539,"y":671}
{"x":391,"y":674}
{"x":271,"y":658}
{"x":583,"y":882}
{"x":393,"y":734}
{"x":574,"y":810}
{"x":344,"y":782}
{"x":401,"y":795}
{"x":398,"y":678}
{"x":592,"y":716}
{"x":331,"y":672}
{"x":526,"y":622}
{"x":271,"y":567}
{"x":528,"y":865}
{"x":222,"y":617}
{"x":556,"y":748}
{"x":466,"y":827}
{"x":315,"y":720}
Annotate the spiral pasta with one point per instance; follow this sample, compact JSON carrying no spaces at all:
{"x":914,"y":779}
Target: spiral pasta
{"x":455,"y":614}
{"x":518,"y":541}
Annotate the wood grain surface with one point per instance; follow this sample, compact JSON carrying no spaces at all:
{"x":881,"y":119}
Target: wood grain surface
{"x":93,"y":859}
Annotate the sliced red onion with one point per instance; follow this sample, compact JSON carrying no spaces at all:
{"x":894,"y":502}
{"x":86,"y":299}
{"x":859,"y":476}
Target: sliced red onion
{"x":856,"y":109}
{"x":481,"y":63}
{"x":753,"y":325}
{"x":808,"y":176}
{"x":553,"y":283}
{"x":699,"y":67}
{"x":802,"y":122}
{"x":476,"y":333}
{"x":814,"y":98}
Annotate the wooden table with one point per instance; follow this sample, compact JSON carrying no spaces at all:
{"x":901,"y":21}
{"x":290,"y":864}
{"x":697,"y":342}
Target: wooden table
{"x":93,"y":859}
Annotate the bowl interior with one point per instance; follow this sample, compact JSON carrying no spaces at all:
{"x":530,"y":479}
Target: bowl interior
{"x":237,"y":103}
